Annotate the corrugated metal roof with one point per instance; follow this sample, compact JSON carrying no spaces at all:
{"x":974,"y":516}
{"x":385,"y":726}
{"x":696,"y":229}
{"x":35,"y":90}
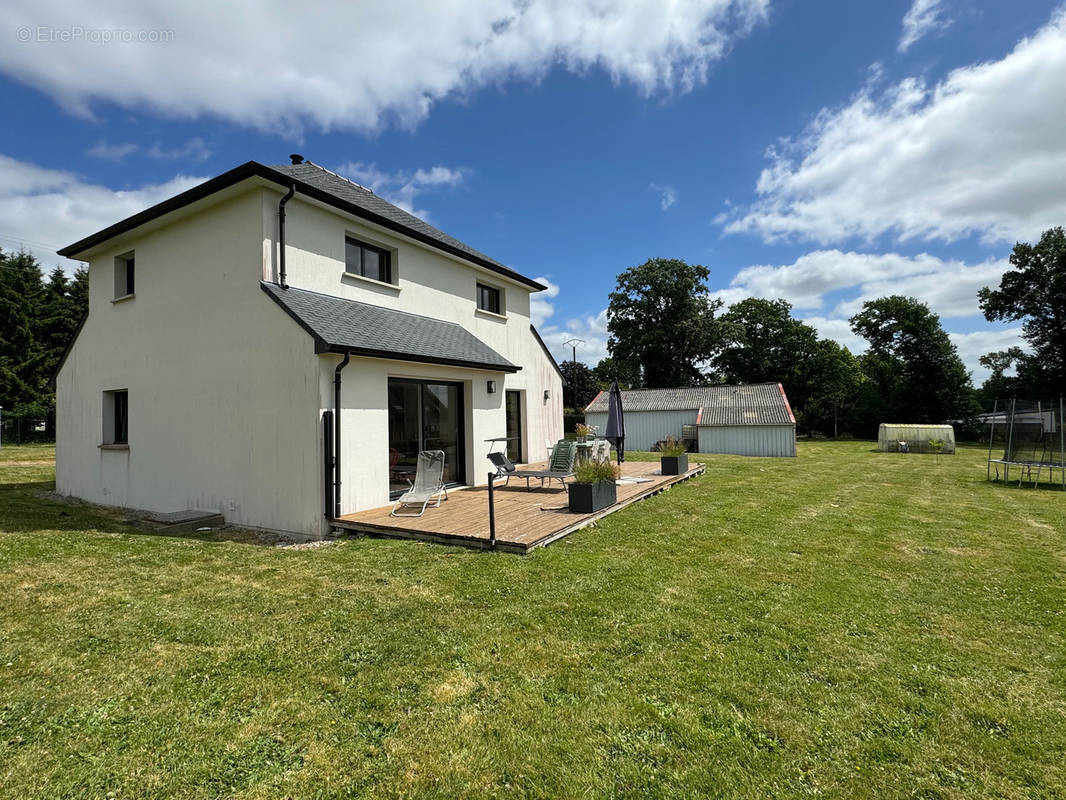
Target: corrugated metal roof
{"x":743,"y":404}
{"x":363,"y":329}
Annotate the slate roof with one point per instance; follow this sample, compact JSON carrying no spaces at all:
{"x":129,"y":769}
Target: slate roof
{"x":744,"y":404}
{"x":320,"y":184}
{"x":339,"y":325}
{"x":344,"y":189}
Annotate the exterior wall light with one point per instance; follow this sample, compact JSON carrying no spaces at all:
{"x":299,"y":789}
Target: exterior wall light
{"x":547,"y":393}
{"x":492,"y":387}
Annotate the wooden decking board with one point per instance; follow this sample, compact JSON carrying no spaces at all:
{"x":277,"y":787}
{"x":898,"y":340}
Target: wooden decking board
{"x":524,"y":519}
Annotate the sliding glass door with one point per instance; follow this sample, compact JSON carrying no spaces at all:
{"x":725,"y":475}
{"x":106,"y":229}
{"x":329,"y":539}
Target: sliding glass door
{"x":425,"y":415}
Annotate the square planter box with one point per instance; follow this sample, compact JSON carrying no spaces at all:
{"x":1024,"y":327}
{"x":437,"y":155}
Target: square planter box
{"x":587,"y":498}
{"x":674,"y":465}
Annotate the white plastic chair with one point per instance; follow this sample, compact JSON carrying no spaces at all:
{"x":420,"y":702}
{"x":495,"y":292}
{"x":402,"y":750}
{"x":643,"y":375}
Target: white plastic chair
{"x":429,"y":483}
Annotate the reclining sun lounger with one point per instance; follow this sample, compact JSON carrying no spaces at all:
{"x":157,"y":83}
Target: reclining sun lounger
{"x":428,"y":483}
{"x":559,"y":468}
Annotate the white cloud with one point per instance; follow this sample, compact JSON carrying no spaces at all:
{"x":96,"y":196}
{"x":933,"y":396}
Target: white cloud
{"x":839,"y":330}
{"x":949,"y":288}
{"x":45,"y":209}
{"x":923,"y":17}
{"x":540,"y":305}
{"x":981,"y":152}
{"x":359,"y":65}
{"x":195,"y":149}
{"x":591,"y":328}
{"x":667,"y":195}
{"x":111,"y":152}
{"x":403,"y":186}
{"x":972,"y":346}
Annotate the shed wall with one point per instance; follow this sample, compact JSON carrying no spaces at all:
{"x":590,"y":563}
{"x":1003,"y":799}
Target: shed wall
{"x":645,"y":428}
{"x":749,"y":440}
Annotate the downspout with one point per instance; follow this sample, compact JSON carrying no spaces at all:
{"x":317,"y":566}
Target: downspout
{"x":281,"y":236}
{"x":337,"y":435}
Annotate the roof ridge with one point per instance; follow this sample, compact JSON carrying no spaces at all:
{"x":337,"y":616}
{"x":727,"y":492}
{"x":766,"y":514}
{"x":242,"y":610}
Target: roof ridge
{"x":343,"y":178}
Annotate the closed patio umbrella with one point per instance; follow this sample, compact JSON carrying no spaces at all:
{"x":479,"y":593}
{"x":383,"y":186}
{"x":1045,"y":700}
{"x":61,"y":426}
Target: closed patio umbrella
{"x":616,"y":423}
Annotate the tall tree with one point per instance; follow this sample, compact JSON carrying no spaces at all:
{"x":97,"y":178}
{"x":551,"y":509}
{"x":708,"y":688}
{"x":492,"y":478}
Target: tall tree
{"x":820,"y":377}
{"x":37,"y":322}
{"x":581,"y":387}
{"x":607,"y":371}
{"x":21,"y":356}
{"x":834,"y":384}
{"x":1034,"y":291}
{"x":662,"y":324}
{"x":913,"y":372}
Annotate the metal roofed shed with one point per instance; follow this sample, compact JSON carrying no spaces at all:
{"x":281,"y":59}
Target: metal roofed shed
{"x":746,"y":419}
{"x":917,"y":438}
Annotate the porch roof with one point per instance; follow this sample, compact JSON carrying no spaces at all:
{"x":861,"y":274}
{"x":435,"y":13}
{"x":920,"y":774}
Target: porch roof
{"x":338,"y":325}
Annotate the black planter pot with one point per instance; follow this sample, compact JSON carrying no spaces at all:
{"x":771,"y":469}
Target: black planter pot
{"x":674,"y":465}
{"x":587,"y":498}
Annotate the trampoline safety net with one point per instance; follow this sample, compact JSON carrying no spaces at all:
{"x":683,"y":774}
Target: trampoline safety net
{"x":1027,"y":436}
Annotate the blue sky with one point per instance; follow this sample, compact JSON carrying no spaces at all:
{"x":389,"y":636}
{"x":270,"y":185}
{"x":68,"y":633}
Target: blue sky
{"x":824,"y":152}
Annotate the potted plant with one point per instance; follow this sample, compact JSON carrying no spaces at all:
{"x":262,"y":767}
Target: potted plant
{"x":593,"y":487}
{"x":674,"y":457}
{"x":583,"y":431}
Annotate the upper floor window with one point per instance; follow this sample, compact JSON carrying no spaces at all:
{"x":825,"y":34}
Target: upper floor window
{"x":124,"y":275}
{"x":367,"y":260}
{"x":488,"y":298}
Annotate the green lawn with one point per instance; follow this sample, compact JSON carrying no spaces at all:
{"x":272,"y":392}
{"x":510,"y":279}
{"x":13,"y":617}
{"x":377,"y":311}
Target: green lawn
{"x":844,"y":624}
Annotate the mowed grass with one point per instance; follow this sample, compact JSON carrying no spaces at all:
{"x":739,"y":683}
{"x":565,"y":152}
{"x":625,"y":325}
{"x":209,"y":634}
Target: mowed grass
{"x":844,"y":624}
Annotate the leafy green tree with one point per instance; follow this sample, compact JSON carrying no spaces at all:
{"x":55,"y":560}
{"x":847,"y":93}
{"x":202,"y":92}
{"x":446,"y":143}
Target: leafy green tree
{"x":913,"y":372}
{"x":609,"y":370}
{"x":21,"y":355}
{"x":1034,"y":291}
{"x":662,"y":324}
{"x":820,"y":377}
{"x":835,"y":382}
{"x":37,"y":322}
{"x":580,"y":387}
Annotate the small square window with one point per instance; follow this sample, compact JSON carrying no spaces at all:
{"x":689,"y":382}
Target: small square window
{"x":367,"y":260}
{"x":488,"y":298}
{"x":124,"y":275}
{"x":116,"y":417}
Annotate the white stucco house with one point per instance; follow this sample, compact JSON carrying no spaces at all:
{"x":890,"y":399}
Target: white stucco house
{"x":278,"y":343}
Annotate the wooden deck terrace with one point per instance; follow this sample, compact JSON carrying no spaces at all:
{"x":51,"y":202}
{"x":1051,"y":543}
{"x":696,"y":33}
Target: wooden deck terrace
{"x":524,"y":519}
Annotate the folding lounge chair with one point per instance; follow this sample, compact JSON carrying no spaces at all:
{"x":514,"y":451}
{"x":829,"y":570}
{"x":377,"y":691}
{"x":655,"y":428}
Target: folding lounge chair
{"x":559,"y":468}
{"x":429,"y":483}
{"x":505,"y":468}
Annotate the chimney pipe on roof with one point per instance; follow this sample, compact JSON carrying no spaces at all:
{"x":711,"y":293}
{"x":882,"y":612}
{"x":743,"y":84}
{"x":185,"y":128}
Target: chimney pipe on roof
{"x":297,"y":158}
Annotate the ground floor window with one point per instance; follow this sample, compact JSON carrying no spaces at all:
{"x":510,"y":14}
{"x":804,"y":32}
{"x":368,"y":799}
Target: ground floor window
{"x":116,"y":417}
{"x":425,"y":415}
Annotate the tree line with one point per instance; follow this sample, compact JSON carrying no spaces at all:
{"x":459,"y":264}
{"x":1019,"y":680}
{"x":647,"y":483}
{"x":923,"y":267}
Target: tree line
{"x":666,"y":330}
{"x":38,"y":317}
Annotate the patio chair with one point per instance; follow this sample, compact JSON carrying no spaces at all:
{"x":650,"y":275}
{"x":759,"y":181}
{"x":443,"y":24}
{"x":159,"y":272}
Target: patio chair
{"x":559,"y":468}
{"x":428,"y":483}
{"x":505,"y":468}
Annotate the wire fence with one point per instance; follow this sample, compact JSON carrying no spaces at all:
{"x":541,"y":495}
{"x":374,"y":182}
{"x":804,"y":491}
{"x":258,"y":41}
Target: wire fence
{"x":24,"y":429}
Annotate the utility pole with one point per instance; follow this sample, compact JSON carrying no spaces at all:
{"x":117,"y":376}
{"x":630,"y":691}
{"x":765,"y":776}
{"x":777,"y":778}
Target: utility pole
{"x":572,"y":344}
